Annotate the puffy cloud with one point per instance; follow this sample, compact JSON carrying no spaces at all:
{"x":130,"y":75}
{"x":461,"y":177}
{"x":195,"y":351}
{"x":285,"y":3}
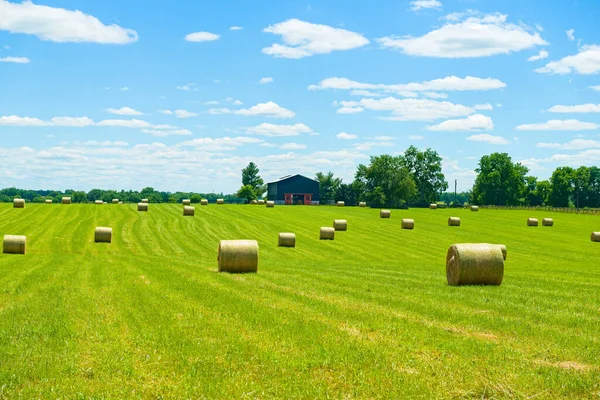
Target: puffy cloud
{"x":580,"y":108}
{"x":236,"y":28}
{"x":575,"y":144}
{"x":487,"y":138}
{"x":596,"y":88}
{"x":586,"y":62}
{"x":570,"y":34}
{"x":349,"y":110}
{"x":268,"y":109}
{"x":13,"y":120}
{"x":416,"y":109}
{"x":476,"y":122}
{"x":266,"y":79}
{"x":76,"y":122}
{"x":346,"y":136}
{"x":220,"y":144}
{"x":124,"y":111}
{"x":559,"y":125}
{"x":293,"y":146}
{"x":486,"y":106}
{"x":421,"y":4}
{"x":266,"y":129}
{"x":167,"y":132}
{"x":15,"y":60}
{"x":540,"y":56}
{"x":201,"y":37}
{"x":125,"y":123}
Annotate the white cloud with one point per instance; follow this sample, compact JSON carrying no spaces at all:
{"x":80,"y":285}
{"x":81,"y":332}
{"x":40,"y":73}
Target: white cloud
{"x":187,"y":88}
{"x":236,"y":28}
{"x":420,"y":4}
{"x":201,"y":37}
{"x":486,"y":106}
{"x":268,"y":109}
{"x":179,"y":113}
{"x":125,"y":123}
{"x":559,"y":125}
{"x":349,"y":110}
{"x":266,"y":79}
{"x":304,"y":39}
{"x":596,"y":88}
{"x":237,"y":103}
{"x":484,"y":137}
{"x":580,"y":108}
{"x":575,"y":144}
{"x":416,"y":109}
{"x":416,"y":137}
{"x":435,"y":95}
{"x":570,"y":34}
{"x":476,"y":122}
{"x":124,"y":89}
{"x":293,"y":146}
{"x":166,"y":132}
{"x":366,"y":146}
{"x":548,"y":145}
{"x":167,"y":112}
{"x":346,"y":136}
{"x":586,"y":62}
{"x":15,"y":60}
{"x":365,"y":93}
{"x":71,"y":121}
{"x":220,"y":144}
{"x":13,"y":120}
{"x":540,"y":56}
{"x":60,"y":25}
{"x":266,"y":129}
{"x":468,"y":35}
{"x":124,"y":111}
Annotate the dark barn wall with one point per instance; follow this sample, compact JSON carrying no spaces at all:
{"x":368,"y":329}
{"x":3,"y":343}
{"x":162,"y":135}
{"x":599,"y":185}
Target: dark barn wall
{"x":294,"y":184}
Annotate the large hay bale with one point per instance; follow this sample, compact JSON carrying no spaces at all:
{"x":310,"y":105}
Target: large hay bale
{"x":115,"y":201}
{"x":385,"y":214}
{"x":98,"y":202}
{"x":433,"y":206}
{"x":261,"y":202}
{"x":48,"y":201}
{"x":340,"y":225}
{"x":474,"y":208}
{"x":253,"y":202}
{"x":65,"y":200}
{"x":14,"y":244}
{"x":18,"y":203}
{"x":188,"y":210}
{"x":270,"y":204}
{"x":327,"y":233}
{"x":204,"y":202}
{"x":362,"y":204}
{"x":595,"y":236}
{"x":144,"y":200}
{"x":453,"y":221}
{"x":408,"y":223}
{"x":186,"y":202}
{"x":340,"y":204}
{"x":238,"y":256}
{"x":142,"y":206}
{"x":220,"y":201}
{"x":474,"y":264}
{"x":532,"y":222}
{"x":286,"y":239}
{"x":547,"y":222}
{"x":103,"y":235}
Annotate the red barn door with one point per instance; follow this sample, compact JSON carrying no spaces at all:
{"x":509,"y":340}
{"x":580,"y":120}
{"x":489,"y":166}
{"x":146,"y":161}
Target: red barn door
{"x":289,"y":198}
{"x":307,"y":199}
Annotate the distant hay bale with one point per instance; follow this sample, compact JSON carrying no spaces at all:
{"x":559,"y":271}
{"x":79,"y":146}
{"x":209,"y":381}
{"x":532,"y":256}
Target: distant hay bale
{"x":18,"y":203}
{"x":48,"y":201}
{"x":238,"y":256}
{"x":144,"y":200}
{"x":261,"y":202}
{"x":474,"y":264}
{"x":220,"y":201}
{"x":408,"y":223}
{"x":595,"y":236}
{"x":532,"y":222}
{"x":188,"y":210}
{"x":120,"y":202}
{"x":474,"y":208}
{"x":104,"y":202}
{"x":115,"y":201}
{"x":142,"y":206}
{"x":385,"y":214}
{"x":453,"y":221}
{"x":253,"y":202}
{"x":327,"y":233}
{"x":103,"y":235}
{"x":340,"y":225}
{"x":286,"y":239}
{"x":547,"y":222}
{"x":14,"y":244}
{"x":362,"y":204}
{"x":270,"y":204}
{"x":65,"y":200}
{"x":340,"y":204}
{"x":98,"y":202}
{"x":433,"y":206}
{"x":204,"y":202}
{"x":186,"y":202}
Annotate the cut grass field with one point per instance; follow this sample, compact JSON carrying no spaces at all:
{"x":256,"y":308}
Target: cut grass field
{"x":368,"y":315}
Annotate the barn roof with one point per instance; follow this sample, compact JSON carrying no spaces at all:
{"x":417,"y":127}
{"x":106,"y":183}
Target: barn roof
{"x":283,"y":178}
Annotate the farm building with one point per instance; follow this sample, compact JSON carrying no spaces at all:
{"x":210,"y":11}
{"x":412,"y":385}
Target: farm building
{"x":294,"y":189}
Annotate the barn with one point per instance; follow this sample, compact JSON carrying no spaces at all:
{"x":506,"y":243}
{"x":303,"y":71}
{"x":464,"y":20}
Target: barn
{"x":293,"y":189}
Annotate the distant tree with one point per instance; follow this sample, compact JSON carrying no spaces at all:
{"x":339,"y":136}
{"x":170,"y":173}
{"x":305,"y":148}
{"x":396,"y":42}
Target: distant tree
{"x":563,"y":184}
{"x":251,"y":178}
{"x":349,"y":193}
{"x":95,"y":194}
{"x":426,"y":170}
{"x":247,"y":192}
{"x":543,"y":189}
{"x":499,"y":181}
{"x":78,"y":196}
{"x":195,"y":198}
{"x":328,"y":184}
{"x":387,"y":181}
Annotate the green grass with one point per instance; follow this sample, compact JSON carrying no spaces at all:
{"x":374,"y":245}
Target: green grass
{"x":369,"y":315}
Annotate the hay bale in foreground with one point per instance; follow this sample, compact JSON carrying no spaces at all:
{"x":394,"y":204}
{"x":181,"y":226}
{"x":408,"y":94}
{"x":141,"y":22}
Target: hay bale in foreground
{"x":385,"y":214}
{"x":532,"y":222}
{"x":204,"y":202}
{"x":433,"y":206}
{"x":340,"y":204}
{"x":474,"y":264}
{"x":286,"y":239}
{"x":142,"y":206}
{"x":453,"y":221}
{"x":14,"y":244}
{"x":220,"y":201}
{"x":474,"y":208}
{"x":270,"y":204}
{"x":189,"y":211}
{"x":48,"y":201}
{"x":103,"y":235}
{"x":547,"y":222}
{"x":340,"y":224}
{"x":18,"y":203}
{"x":65,"y":200}
{"x":327,"y":233}
{"x":408,"y":223}
{"x":238,"y":256}
{"x":98,"y":202}
{"x":115,"y":201}
{"x":261,"y":202}
{"x":362,"y":204}
{"x":186,"y":202}
{"x":144,"y":200}
{"x":595,"y":236}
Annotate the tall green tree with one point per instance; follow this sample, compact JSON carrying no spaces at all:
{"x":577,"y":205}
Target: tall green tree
{"x":251,"y":178}
{"x":563,"y":185}
{"x":350,"y":193}
{"x":499,"y":181}
{"x":328,"y":185}
{"x":247,"y":192}
{"x":387,"y":181}
{"x":426,"y":170}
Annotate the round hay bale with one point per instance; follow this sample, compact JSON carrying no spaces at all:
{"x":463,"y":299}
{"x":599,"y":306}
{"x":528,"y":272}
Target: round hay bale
{"x":532,"y":222}
{"x":103,"y":235}
{"x":254,"y":202}
{"x":186,"y":202}
{"x":327,"y":233}
{"x":120,"y":202}
{"x":474,"y":208}
{"x":261,"y":202}
{"x":115,"y":201}
{"x":340,"y":225}
{"x":18,"y":203}
{"x":408,"y":223}
{"x":48,"y":201}
{"x":188,"y":210}
{"x":204,"y":202}
{"x":270,"y":204}
{"x":220,"y":201}
{"x":385,"y":214}
{"x":474,"y":264}
{"x":98,"y":202}
{"x":547,"y":222}
{"x":144,"y":200}
{"x":340,"y":204}
{"x":362,"y":204}
{"x":595,"y":236}
{"x":433,"y":206}
{"x":238,"y":256}
{"x":142,"y":206}
{"x":65,"y":200}
{"x":14,"y":244}
{"x":286,"y":240}
{"x":453,"y":221}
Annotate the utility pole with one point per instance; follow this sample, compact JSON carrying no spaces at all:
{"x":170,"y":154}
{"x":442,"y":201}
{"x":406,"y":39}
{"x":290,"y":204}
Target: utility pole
{"x":455,"y":193}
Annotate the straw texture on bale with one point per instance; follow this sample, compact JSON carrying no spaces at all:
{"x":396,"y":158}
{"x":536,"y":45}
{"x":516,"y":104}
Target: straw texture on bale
{"x":142,"y":206}
{"x":474,"y":208}
{"x":65,"y":200}
{"x":238,"y":256}
{"x":340,"y":224}
{"x":341,"y":204}
{"x":186,"y":202}
{"x":253,"y":202}
{"x":115,"y":201}
{"x":19,"y":203}
{"x":188,"y":210}
{"x":595,"y":236}
{"x":286,"y":239}
{"x":453,"y":221}
{"x":433,"y":206}
{"x":48,"y":201}
{"x":408,"y":223}
{"x":270,"y":204}
{"x":532,"y":222}
{"x":204,"y":202}
{"x":103,"y":235}
{"x":144,"y":200}
{"x":220,"y":201}
{"x":98,"y":202}
{"x":547,"y":222}
{"x":385,"y":214}
{"x":261,"y":202}
{"x":362,"y":204}
{"x":327,"y":233}
{"x":14,"y":244}
{"x":474,"y":264}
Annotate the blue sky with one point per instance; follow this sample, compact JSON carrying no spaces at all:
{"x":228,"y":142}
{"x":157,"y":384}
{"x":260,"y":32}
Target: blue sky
{"x":182,"y":95}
